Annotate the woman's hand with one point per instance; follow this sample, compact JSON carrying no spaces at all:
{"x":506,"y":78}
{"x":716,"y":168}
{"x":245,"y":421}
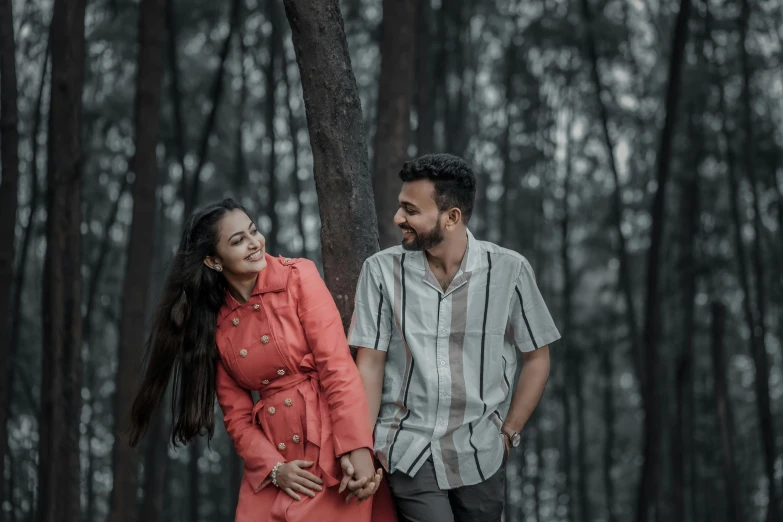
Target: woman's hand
{"x":291,"y":478}
{"x":367,"y":480}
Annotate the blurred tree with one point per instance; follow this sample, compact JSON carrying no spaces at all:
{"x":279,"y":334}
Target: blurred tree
{"x":59,"y":496}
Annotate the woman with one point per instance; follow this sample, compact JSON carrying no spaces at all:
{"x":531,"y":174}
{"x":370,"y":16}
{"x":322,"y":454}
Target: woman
{"x":277,"y":331}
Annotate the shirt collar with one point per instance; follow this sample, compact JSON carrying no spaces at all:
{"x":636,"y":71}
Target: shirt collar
{"x":273,"y":278}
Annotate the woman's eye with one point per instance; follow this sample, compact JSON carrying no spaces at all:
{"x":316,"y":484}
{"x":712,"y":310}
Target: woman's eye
{"x":238,"y":241}
{"x":253,"y":232}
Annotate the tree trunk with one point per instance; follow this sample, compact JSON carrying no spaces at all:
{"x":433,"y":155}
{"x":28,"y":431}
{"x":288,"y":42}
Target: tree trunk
{"x":395,"y":94}
{"x":582,"y":450}
{"x":567,"y":303}
{"x":270,"y":113}
{"x":510,"y":182}
{"x":194,"y":479}
{"x":9,"y":163}
{"x":608,"y":377}
{"x":725,"y":415}
{"x":767,"y":421}
{"x":240,"y":170}
{"x":624,"y":275}
{"x":349,"y":231}
{"x":143,"y":165}
{"x":175,"y":95}
{"x":59,"y":470}
{"x":650,"y":497}
{"x":425,"y":79}
{"x":155,"y":469}
{"x":216,"y":95}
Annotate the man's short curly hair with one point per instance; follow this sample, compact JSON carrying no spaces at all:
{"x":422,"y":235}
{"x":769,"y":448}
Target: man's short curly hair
{"x":455,"y":183}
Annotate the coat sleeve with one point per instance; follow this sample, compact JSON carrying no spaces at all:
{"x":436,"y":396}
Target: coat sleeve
{"x":336,"y":369}
{"x":250,"y":442}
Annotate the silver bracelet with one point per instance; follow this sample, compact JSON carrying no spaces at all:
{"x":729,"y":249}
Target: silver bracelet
{"x":274,"y":474}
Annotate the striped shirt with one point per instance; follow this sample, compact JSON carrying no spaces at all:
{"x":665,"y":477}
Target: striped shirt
{"x":451,"y":356}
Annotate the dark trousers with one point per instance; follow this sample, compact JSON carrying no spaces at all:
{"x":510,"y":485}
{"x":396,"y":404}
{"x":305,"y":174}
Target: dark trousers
{"x":419,"y":499}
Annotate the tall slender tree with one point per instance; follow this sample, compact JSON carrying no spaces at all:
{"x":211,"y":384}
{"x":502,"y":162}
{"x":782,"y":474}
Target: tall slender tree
{"x":9,"y":163}
{"x":395,"y":97}
{"x":136,"y":285}
{"x":59,"y":469}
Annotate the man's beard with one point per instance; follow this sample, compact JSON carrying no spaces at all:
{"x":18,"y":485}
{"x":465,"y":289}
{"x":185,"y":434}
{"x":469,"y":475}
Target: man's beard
{"x":424,"y":241}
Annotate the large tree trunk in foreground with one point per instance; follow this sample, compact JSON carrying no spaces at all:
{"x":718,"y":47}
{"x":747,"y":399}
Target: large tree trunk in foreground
{"x":59,"y":470}
{"x":349,"y":229}
{"x":9,"y":156}
{"x":395,"y":94}
{"x":137,"y":271}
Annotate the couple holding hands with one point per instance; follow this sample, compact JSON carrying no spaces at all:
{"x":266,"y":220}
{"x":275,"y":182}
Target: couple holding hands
{"x":420,"y":426}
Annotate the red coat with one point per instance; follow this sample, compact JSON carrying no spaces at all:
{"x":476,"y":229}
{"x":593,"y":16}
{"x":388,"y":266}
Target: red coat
{"x":288,"y":343}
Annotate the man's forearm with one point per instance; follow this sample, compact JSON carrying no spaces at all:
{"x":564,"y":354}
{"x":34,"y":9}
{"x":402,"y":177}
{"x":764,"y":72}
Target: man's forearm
{"x":530,"y":387}
{"x":371,"y":367}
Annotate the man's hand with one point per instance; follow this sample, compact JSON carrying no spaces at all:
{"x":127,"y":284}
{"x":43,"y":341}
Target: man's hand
{"x":507,"y":444}
{"x":358,"y":475}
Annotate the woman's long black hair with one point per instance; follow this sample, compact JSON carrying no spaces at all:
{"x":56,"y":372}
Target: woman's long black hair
{"x":183,"y":334}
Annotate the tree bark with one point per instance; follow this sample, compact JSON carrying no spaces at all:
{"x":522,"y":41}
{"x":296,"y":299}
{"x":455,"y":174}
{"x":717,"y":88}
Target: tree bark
{"x":59,"y":470}
{"x":624,"y":275}
{"x":690,"y":211}
{"x":175,"y":95}
{"x":395,"y":95}
{"x":609,"y":412}
{"x":725,"y":414}
{"x":216,"y":95}
{"x":509,"y":181}
{"x":425,"y":79}
{"x":143,"y":165}
{"x":349,"y":230}
{"x":582,"y":449}
{"x":270,"y":113}
{"x":194,"y":479}
{"x":650,"y":496}
{"x":240,"y":169}
{"x":767,"y":421}
{"x":155,"y":469}
{"x":9,"y":163}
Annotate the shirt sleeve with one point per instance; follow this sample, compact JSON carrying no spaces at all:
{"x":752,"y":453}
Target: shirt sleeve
{"x":371,"y":325}
{"x":250,"y":442}
{"x":529,"y":318}
{"x":337,"y":371}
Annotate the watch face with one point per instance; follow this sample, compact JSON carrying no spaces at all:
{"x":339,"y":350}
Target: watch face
{"x":516,"y":439}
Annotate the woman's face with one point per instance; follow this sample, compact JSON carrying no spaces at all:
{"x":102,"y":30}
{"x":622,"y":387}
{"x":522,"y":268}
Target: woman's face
{"x":240,"y":246}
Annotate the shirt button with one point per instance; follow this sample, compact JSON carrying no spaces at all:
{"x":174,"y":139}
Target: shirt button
{"x":280,"y":372}
{"x":281,"y":446}
{"x":443,"y":363}
{"x":256,"y":306}
{"x":243,"y":352}
{"x":265,"y":381}
{"x":265,"y":339}
{"x":235,"y":321}
{"x":271,"y":410}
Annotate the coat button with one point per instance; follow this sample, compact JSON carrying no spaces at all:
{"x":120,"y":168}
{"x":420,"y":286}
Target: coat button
{"x":287,"y":261}
{"x":265,"y":339}
{"x":235,"y":321}
{"x":281,"y":446}
{"x":265,"y":381}
{"x":271,"y":410}
{"x":288,"y":402}
{"x":296,"y":439}
{"x":243,"y":352}
{"x":280,"y":372}
{"x":256,"y":306}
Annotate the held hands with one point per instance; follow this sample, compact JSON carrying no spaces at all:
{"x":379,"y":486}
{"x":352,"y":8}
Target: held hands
{"x":292,"y":478}
{"x":358,"y":475}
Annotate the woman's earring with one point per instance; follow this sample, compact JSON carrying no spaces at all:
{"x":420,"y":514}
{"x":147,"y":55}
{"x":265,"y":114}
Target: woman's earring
{"x":218,"y":268}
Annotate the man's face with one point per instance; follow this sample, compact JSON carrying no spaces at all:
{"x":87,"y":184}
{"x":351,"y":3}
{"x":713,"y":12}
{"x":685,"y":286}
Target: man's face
{"x":418,"y":216}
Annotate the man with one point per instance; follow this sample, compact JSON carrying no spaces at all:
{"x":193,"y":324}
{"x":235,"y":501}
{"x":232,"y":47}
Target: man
{"x":437,"y":322}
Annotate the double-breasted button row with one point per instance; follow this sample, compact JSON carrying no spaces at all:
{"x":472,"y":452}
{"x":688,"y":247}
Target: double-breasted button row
{"x":264,"y":340}
{"x":296,"y":440}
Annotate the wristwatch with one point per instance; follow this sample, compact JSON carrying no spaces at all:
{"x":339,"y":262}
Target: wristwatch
{"x":513,"y":437}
